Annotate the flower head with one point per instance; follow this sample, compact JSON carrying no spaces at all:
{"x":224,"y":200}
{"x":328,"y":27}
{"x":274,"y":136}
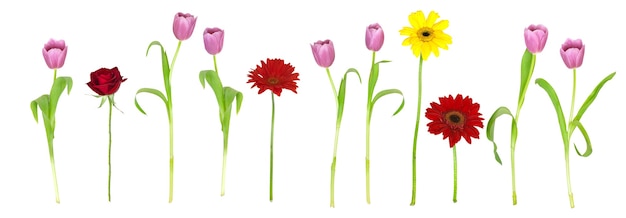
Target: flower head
{"x":374,"y":37}
{"x":535,"y":37}
{"x":573,"y":53}
{"x":424,"y":35}
{"x":455,"y":118}
{"x":323,"y":52}
{"x":106,"y":81}
{"x":213,"y":40}
{"x":54,"y":52}
{"x":275,"y":75}
{"x":184,"y":25}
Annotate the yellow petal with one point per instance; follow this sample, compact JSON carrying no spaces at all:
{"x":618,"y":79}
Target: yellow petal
{"x":441,"y":25}
{"x":432,"y":17}
{"x":440,"y":43}
{"x":443,"y":36}
{"x":435,"y":49}
{"x":406,"y":41}
{"x":416,"y":47}
{"x":417,"y":19}
{"x":426,"y":49}
{"x":407,"y":31}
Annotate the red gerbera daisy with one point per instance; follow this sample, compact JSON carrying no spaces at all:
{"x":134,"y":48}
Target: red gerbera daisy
{"x":455,"y":118}
{"x":274,"y":75}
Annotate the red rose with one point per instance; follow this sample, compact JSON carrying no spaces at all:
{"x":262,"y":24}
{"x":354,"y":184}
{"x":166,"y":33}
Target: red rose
{"x":106,"y":81}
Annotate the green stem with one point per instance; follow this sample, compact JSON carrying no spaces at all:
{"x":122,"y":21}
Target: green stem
{"x":110,"y":142}
{"x":170,"y":116}
{"x":571,"y":130}
{"x":225,"y":135}
{"x":336,"y":142}
{"x":272,"y":152}
{"x":417,"y":122}
{"x":571,"y":110}
{"x":55,"y":76}
{"x":54,"y":171}
{"x":454,"y":160}
{"x":569,"y":183}
{"x":215,"y":64}
{"x":367,"y":136}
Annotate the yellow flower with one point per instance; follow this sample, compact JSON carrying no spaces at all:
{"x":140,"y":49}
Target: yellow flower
{"x":426,"y":36}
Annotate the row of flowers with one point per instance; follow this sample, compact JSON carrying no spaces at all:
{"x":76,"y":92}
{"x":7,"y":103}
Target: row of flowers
{"x":455,"y":117}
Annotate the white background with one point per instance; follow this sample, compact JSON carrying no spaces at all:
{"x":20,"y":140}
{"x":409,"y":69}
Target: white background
{"x":483,"y":62}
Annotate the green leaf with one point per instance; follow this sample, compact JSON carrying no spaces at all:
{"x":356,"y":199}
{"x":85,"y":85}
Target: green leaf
{"x":341,"y":96}
{"x":43,"y":103}
{"x":60,"y":83}
{"x":229,"y":95}
{"x":577,"y":124}
{"x":151,"y":91}
{"x":373,"y":79}
{"x":383,"y":61}
{"x":491,"y":125}
{"x":557,"y":106}
{"x":165,"y":65}
{"x":528,"y":65}
{"x":102,"y":101}
{"x":592,"y":97}
{"x":387,"y":92}
{"x":214,"y":81}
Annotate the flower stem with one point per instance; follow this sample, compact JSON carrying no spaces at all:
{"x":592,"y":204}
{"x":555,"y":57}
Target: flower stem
{"x":571,"y":110}
{"x":53,"y":165}
{"x":569,"y":183}
{"x":417,"y":125}
{"x":110,"y":142}
{"x":455,"y":182}
{"x":170,"y":116}
{"x":272,"y":152}
{"x":367,"y":135}
{"x":225,"y":136}
{"x":571,"y":116}
{"x":336,"y":142}
{"x":55,"y":75}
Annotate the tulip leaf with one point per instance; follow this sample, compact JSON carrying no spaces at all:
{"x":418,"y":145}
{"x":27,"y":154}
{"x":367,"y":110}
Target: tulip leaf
{"x":60,"y":83}
{"x":373,"y":79}
{"x":387,"y":92}
{"x":229,"y":95}
{"x":43,"y":103}
{"x":491,"y":125}
{"x":151,"y":91}
{"x":576,"y":124}
{"x":341,"y":96}
{"x":592,"y":97}
{"x":527,"y":68}
{"x":557,"y":106}
{"x":164,"y":62}
{"x":211,"y":77}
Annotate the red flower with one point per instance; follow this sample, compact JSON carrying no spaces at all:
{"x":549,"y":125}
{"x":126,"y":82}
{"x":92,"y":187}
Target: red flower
{"x":274,"y":75}
{"x":455,"y":118}
{"x":106,"y":81}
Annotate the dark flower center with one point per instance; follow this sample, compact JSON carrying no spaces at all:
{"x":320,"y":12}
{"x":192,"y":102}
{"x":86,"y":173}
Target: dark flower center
{"x":455,"y":119}
{"x":425,"y":34}
{"x":272,"y":81}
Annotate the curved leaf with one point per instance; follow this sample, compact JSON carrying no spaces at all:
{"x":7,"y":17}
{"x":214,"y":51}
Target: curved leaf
{"x":387,"y":92}
{"x":43,"y":103}
{"x":151,"y":91}
{"x":491,"y":125}
{"x":577,"y":124}
{"x":528,"y":66}
{"x":373,"y":79}
{"x":557,"y":106}
{"x":341,"y":96}
{"x":165,"y":65}
{"x":103,"y":99}
{"x":229,"y":95}
{"x":211,"y":77}
{"x":592,"y":97}
{"x":60,"y":83}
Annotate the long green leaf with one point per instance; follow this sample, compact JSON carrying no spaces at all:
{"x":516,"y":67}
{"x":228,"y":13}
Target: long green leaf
{"x":60,"y":83}
{"x":577,"y":124}
{"x":592,"y":97}
{"x":165,"y":65}
{"x":211,"y":77}
{"x":388,"y":92}
{"x":43,"y":103}
{"x":341,"y":96}
{"x":373,"y":79}
{"x":557,"y":106}
{"x":229,"y":95}
{"x":151,"y":91}
{"x":491,"y":125}
{"x":528,"y":65}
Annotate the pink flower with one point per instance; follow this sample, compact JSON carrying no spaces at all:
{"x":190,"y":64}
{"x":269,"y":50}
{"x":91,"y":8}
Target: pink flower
{"x":54,"y":53}
{"x":323,"y":52}
{"x":374,"y":37}
{"x":535,"y":37}
{"x":184,"y":25}
{"x":573,"y":53}
{"x":213,"y":40}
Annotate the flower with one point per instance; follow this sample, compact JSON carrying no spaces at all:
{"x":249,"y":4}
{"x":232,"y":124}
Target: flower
{"x":374,"y":37}
{"x":106,"y":81}
{"x":323,"y":52}
{"x":455,"y":118}
{"x":213,"y":40}
{"x":274,"y":75}
{"x":184,"y":24}
{"x":426,"y":36}
{"x":54,"y":52}
{"x":573,"y":53}
{"x":535,"y":37}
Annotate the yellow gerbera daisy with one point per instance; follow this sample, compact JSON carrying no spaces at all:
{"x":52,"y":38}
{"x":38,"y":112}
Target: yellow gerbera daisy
{"x":426,"y":36}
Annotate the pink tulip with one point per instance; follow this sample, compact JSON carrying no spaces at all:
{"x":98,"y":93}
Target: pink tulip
{"x":54,"y":53}
{"x":374,"y":37}
{"x":324,"y":53}
{"x":535,"y":37}
{"x":573,"y":53}
{"x":184,"y":25}
{"x":213,"y":40}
